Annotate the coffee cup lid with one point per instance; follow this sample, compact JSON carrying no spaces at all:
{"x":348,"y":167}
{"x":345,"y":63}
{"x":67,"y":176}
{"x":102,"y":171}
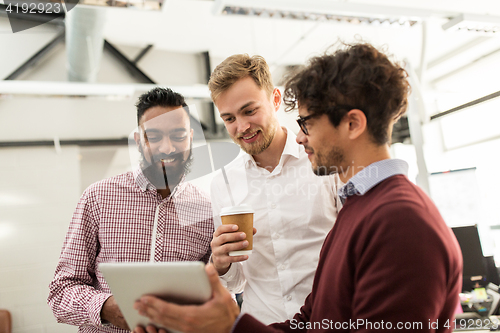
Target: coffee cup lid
{"x":233,"y":210}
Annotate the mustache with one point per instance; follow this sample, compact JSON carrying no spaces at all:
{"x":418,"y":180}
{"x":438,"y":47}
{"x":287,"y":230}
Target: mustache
{"x":308,"y":149}
{"x":161,"y":156}
{"x":254,"y":130}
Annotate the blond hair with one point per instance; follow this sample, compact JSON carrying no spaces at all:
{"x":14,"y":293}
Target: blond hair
{"x":236,"y":67}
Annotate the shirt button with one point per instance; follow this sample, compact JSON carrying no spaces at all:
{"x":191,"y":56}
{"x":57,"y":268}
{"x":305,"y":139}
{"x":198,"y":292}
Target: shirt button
{"x":273,"y":205}
{"x":289,"y":298}
{"x":283,"y":267}
{"x":158,"y":236}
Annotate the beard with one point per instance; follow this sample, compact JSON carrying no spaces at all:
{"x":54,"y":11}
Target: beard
{"x":256,"y":148}
{"x":159,"y":175}
{"x":329,"y":163}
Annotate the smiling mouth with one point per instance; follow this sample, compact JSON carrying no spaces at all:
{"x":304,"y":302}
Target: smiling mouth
{"x":170,"y":160}
{"x":250,"y":136}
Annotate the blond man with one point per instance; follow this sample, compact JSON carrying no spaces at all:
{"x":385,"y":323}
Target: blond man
{"x":294,"y":209}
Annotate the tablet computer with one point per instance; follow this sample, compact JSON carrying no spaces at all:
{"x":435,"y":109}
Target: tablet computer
{"x":182,"y":282}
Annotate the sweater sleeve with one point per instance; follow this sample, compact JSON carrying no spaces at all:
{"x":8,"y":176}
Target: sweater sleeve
{"x":248,"y":324}
{"x":403,"y":262}
{"x":72,"y":297}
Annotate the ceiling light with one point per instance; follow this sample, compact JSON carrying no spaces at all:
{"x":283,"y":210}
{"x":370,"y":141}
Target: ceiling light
{"x":324,"y":10}
{"x":135,"y":4}
{"x":482,"y":24}
{"x":260,"y":12}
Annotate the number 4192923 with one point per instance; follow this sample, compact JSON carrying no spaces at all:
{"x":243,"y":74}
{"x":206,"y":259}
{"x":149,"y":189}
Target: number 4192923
{"x":34,"y":8}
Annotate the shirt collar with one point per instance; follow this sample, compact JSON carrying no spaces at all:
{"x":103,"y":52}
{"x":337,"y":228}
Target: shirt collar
{"x":371,"y":176}
{"x":144,"y":184}
{"x":141,"y":180}
{"x":292,"y":148}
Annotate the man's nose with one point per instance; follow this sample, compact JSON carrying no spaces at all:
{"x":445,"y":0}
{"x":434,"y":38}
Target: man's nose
{"x":301,"y":138}
{"x":242,"y":126}
{"x":167,"y":147}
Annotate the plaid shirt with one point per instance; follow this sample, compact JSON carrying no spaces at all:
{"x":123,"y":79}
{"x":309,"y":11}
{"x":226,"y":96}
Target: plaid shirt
{"x":120,"y":219}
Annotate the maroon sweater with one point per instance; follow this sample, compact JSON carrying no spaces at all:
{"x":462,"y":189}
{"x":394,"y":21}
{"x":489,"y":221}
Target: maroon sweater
{"x":389,"y":263}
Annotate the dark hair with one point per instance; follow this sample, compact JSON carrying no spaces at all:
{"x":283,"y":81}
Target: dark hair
{"x":353,"y":77}
{"x":158,"y":96}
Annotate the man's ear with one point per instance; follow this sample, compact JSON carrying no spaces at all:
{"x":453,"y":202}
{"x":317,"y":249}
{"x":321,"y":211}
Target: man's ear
{"x":137,"y":139}
{"x":357,"y":123}
{"x":276,"y":99}
{"x":192,"y":134}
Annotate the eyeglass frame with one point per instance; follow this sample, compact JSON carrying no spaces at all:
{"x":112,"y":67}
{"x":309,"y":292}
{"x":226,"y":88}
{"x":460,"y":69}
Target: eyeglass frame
{"x":302,"y":120}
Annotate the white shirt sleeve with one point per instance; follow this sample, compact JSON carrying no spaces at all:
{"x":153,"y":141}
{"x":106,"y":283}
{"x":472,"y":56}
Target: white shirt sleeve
{"x":234,"y":279}
{"x":336,"y":184}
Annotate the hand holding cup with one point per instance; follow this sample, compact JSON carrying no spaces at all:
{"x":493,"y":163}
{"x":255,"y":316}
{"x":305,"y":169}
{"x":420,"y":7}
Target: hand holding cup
{"x":233,"y":240}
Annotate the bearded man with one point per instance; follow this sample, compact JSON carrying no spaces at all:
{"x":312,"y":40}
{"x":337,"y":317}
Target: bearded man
{"x":150,"y":214}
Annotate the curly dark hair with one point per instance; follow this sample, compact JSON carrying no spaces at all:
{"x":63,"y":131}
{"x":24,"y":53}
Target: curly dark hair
{"x":354,"y":77}
{"x":158,"y":96}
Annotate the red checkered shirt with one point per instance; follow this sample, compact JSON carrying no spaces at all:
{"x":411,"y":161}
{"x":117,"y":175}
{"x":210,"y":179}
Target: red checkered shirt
{"x":121,"y":219}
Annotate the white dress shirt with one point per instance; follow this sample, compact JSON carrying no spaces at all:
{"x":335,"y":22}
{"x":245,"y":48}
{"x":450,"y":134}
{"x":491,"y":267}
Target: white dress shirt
{"x":294,"y":211}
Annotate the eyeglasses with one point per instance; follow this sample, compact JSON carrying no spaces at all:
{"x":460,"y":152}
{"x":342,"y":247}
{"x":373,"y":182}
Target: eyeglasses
{"x":302,"y":122}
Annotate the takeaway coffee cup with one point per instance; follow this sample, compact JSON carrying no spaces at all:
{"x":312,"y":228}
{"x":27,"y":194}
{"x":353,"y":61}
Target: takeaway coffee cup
{"x":242,"y":216}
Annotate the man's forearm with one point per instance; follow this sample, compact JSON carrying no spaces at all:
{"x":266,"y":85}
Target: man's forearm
{"x":111,"y":313}
{"x":221,"y":271}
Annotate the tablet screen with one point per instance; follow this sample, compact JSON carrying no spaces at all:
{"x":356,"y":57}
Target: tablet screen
{"x":182,"y":282}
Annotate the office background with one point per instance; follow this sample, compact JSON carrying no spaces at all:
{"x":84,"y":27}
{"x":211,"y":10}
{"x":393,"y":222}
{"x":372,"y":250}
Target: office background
{"x":57,"y":138}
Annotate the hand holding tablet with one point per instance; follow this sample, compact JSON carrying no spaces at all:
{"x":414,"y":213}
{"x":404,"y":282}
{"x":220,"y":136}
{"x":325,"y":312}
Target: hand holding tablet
{"x":217,"y":315}
{"x":176,"y":282}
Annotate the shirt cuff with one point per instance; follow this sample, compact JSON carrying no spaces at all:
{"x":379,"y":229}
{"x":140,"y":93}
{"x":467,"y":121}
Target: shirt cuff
{"x":236,"y":322}
{"x":96,"y":308}
{"x":229,"y":276}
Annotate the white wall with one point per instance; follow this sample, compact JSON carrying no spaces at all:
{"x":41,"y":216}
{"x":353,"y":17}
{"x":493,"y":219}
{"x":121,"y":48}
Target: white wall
{"x":39,"y":190}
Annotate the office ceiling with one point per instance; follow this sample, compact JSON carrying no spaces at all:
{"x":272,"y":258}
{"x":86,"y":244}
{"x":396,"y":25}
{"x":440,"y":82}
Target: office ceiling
{"x":191,"y":26}
{"x":458,"y":66}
